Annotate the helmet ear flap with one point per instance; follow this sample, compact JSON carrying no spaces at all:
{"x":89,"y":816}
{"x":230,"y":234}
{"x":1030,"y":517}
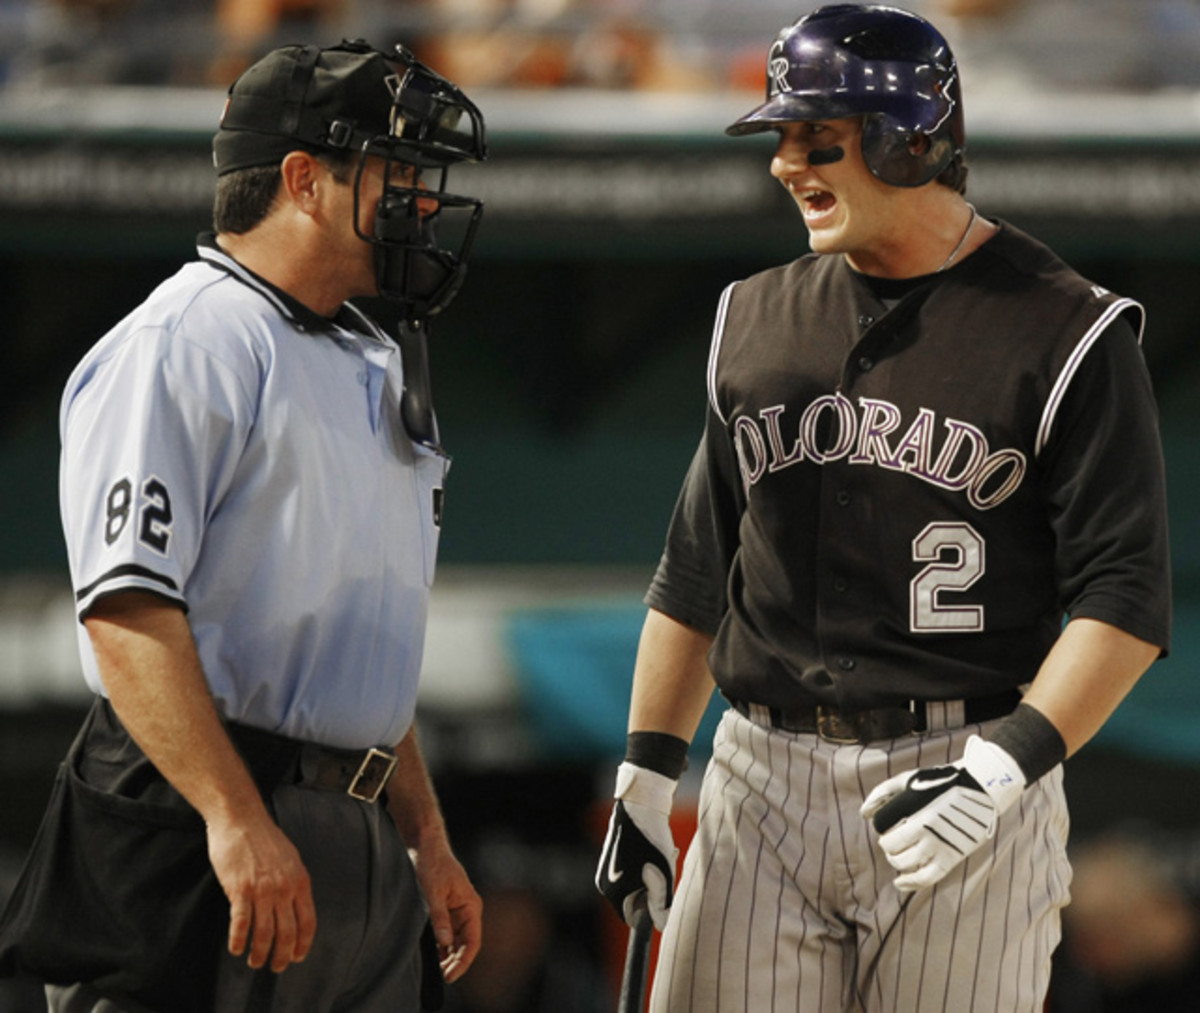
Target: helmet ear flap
{"x":901,"y":157}
{"x":918,"y":144}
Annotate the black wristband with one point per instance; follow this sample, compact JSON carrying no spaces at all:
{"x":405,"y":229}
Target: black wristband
{"x":1029,"y":737}
{"x":658,"y":751}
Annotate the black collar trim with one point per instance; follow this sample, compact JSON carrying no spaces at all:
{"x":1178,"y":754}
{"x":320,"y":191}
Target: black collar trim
{"x":291,"y":307}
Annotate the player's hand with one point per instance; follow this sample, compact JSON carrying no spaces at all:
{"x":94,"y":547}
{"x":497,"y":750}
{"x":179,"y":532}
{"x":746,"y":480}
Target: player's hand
{"x":269,"y":891}
{"x":455,"y":908}
{"x":639,"y":852}
{"x":932,"y":819}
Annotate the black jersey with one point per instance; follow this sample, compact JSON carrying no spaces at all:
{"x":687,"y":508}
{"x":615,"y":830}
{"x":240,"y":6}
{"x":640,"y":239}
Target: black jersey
{"x":904,"y":499}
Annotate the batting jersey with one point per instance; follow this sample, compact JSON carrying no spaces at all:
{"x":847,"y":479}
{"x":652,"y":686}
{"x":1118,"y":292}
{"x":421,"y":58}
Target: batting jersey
{"x":228,"y":449}
{"x":901,"y":501}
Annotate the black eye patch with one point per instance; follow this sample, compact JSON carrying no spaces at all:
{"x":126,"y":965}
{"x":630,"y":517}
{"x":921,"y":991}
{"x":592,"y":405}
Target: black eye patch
{"x":826,"y":156}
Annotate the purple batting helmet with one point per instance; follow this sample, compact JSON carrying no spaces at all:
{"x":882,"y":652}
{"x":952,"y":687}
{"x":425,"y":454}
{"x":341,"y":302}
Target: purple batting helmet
{"x":887,"y":65}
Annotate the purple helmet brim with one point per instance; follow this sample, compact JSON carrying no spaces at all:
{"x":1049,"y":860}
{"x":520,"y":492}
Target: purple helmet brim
{"x":791,"y":108}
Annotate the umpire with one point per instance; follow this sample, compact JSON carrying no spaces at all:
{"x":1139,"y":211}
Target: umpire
{"x":251,"y":489}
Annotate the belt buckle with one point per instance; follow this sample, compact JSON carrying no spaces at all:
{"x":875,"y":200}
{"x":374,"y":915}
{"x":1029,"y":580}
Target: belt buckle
{"x":373,"y":774}
{"x":834,"y":727}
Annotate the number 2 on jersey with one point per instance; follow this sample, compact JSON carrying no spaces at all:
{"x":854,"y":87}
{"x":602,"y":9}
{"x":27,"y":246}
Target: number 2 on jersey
{"x":953,"y":552}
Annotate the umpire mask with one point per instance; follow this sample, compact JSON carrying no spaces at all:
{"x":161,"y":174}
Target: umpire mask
{"x":423,"y":234}
{"x":353,"y":98}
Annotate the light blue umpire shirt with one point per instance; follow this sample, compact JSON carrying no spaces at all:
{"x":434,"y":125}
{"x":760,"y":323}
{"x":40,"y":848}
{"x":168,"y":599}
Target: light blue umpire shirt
{"x":229,"y":450}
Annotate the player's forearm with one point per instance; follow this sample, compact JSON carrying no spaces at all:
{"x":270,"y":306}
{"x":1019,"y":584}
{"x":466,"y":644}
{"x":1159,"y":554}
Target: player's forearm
{"x":1088,"y":672}
{"x":672,"y":684}
{"x":155,"y":682}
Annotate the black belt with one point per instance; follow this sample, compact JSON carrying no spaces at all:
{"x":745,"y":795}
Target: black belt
{"x":360,"y":774}
{"x":276,"y":759}
{"x":877,"y":723}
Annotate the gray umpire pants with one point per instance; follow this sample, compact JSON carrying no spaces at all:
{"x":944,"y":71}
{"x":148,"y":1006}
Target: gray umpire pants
{"x":370,"y":914}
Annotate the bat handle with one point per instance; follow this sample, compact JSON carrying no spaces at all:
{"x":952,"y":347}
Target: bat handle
{"x":637,"y":958}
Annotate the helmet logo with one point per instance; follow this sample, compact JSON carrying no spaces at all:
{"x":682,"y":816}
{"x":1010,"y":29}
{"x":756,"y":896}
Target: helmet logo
{"x":777,"y":68}
{"x":943,"y":91}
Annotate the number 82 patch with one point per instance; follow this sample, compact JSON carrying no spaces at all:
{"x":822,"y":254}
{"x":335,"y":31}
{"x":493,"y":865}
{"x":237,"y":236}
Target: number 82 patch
{"x":154,"y":518}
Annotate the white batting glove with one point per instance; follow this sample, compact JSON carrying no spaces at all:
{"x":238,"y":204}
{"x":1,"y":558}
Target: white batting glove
{"x":931,"y":819}
{"x":639,"y":852}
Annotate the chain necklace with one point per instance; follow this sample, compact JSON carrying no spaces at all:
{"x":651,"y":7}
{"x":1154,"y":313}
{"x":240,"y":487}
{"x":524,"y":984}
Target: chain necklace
{"x":962,"y":242}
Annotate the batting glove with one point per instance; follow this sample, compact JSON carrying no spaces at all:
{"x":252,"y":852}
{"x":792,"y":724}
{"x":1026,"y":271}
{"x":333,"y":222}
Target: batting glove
{"x":932,"y":819}
{"x":639,"y":852}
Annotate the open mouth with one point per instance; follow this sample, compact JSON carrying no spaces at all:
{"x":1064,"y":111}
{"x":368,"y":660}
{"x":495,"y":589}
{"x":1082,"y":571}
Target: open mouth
{"x":815,"y":204}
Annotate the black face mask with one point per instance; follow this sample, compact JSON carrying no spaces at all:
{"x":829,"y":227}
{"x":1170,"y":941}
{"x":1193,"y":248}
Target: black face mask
{"x":422,"y":240}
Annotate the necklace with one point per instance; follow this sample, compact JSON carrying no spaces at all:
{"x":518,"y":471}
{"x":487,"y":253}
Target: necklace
{"x":962,"y":242}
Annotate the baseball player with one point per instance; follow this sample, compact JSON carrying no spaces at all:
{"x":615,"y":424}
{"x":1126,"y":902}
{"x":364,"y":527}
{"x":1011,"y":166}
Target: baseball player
{"x":922,"y":552}
{"x":251,"y":486}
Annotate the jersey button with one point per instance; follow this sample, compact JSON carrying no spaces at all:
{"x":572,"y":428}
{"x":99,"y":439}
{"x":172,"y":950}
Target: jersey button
{"x":866,"y":320}
{"x":843,"y":498}
{"x":846,"y":664}
{"x":866,"y":364}
{"x":841,"y":585}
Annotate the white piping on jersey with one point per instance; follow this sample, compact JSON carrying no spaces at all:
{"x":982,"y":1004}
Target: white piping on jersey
{"x":715,"y":349}
{"x":1075,"y":360}
{"x":231,"y":265}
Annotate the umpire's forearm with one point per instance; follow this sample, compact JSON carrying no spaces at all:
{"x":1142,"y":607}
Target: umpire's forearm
{"x":672,"y":684}
{"x":155,"y":682}
{"x":1085,"y":676}
{"x":412,"y":800}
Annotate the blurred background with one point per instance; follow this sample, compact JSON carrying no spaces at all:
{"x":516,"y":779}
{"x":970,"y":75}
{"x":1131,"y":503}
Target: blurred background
{"x":568,"y":377}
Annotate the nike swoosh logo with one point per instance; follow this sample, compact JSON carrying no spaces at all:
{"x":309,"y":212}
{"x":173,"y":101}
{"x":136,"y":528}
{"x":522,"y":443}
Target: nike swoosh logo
{"x":612,"y":873}
{"x":935,"y":783}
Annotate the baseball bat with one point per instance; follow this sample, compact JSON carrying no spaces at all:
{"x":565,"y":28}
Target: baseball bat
{"x":637,"y":959}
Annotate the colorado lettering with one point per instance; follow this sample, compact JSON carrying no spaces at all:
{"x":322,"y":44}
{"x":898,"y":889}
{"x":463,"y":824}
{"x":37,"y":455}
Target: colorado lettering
{"x":954,"y":455}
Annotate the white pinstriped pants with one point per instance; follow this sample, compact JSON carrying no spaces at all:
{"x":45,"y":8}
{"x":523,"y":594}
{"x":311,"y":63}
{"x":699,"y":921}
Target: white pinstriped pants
{"x":785,"y":903}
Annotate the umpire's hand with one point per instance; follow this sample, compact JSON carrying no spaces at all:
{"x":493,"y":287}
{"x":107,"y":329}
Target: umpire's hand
{"x":269,"y":890}
{"x":932,"y":819}
{"x":639,"y":851}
